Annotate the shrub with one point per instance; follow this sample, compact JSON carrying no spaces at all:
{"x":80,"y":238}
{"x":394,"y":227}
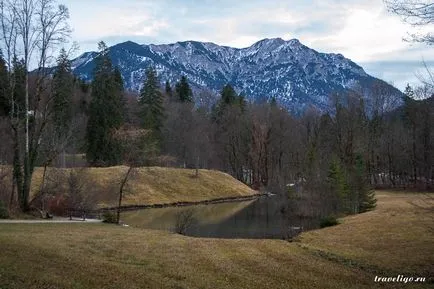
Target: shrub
{"x":328,"y":222}
{"x":57,"y":205}
{"x":369,"y":202}
{"x":4,"y":214}
{"x":109,"y":217}
{"x":184,"y":220}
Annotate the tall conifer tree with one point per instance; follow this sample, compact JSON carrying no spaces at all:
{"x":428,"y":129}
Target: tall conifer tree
{"x":183,"y":90}
{"x":151,"y":102}
{"x":63,"y":85}
{"x":168,"y":90}
{"x":105,"y":113}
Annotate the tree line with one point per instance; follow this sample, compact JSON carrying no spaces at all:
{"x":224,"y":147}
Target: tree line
{"x":52,"y":118}
{"x":364,"y":142}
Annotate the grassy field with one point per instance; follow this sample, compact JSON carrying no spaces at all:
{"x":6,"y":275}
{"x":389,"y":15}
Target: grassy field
{"x":153,"y":185}
{"x":395,"y":238}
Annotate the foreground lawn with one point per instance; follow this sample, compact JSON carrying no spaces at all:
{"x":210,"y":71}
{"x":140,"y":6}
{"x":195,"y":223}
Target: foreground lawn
{"x":108,"y":256}
{"x":104,"y":256}
{"x":396,"y":237}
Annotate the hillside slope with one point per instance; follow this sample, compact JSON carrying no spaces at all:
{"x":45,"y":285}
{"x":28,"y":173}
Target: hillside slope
{"x":148,"y":185}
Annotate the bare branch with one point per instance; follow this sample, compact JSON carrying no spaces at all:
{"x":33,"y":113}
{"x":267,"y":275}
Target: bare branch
{"x":415,"y":13}
{"x":427,"y":78}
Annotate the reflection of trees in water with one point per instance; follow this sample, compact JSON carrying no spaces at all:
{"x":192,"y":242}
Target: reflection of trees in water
{"x":301,"y":208}
{"x":268,"y":217}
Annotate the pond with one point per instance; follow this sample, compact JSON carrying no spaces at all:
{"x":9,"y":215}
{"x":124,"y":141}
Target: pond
{"x":264,"y":217}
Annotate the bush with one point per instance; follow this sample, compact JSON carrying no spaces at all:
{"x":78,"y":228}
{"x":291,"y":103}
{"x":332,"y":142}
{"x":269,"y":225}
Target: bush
{"x":328,"y":222}
{"x":4,"y":214}
{"x":109,"y":217}
{"x":57,"y":205}
{"x":369,"y":202}
{"x":184,"y":220}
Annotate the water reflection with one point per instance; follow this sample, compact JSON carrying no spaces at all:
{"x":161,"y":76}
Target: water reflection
{"x":262,"y":218}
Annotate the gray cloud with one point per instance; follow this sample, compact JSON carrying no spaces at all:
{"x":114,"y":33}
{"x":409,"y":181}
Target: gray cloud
{"x":400,"y":72}
{"x":360,"y":29}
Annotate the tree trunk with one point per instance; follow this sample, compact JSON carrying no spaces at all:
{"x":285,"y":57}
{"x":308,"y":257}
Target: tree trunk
{"x":197,"y":167}
{"x":17,"y":169}
{"x":44,"y":174}
{"x":11,"y":201}
{"x":121,"y":193}
{"x":414,"y":157}
{"x":25,"y":191}
{"x":24,"y":202}
{"x":29,"y":164}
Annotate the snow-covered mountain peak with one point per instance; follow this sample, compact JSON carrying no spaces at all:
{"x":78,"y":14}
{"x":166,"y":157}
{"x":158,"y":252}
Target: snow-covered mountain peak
{"x":293,"y":73}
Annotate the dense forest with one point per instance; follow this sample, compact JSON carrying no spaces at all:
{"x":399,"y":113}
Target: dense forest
{"x":339,"y":156}
{"x":50,"y":118}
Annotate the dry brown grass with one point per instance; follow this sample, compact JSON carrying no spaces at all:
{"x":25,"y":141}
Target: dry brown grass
{"x":158,"y":185}
{"x":394,"y":238}
{"x":398,"y":236}
{"x":108,"y":256}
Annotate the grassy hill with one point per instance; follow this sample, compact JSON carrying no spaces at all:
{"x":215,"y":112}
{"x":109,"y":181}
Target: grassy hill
{"x":396,"y":238}
{"x":150,"y":185}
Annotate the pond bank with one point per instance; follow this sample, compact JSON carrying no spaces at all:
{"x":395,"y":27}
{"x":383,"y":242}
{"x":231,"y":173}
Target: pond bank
{"x":186,"y":203}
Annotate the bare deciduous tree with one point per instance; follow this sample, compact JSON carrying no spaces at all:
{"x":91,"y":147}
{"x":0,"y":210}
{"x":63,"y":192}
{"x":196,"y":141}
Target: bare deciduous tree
{"x":138,"y":148}
{"x":81,"y":195}
{"x":416,"y":13}
{"x":32,"y":29}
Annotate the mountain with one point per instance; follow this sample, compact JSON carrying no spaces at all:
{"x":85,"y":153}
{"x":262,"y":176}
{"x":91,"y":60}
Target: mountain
{"x":296,"y":75}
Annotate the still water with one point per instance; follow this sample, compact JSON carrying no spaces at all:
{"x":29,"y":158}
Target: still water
{"x":264,"y":217}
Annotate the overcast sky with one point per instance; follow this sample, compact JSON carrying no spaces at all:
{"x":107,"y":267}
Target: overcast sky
{"x":361,"y":30}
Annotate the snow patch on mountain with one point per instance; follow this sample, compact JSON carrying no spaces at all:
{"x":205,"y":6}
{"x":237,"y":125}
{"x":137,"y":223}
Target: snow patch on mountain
{"x":296,"y":75}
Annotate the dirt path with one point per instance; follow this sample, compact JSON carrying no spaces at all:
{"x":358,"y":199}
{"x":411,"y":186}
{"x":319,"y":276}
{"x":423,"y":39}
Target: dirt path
{"x":49,"y":221}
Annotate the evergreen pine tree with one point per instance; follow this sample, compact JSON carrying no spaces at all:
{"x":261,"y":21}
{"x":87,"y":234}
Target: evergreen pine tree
{"x":106,"y":112}
{"x":242,"y":102}
{"x":168,"y":90}
{"x":118,"y":81}
{"x":63,"y":85}
{"x":408,"y":92}
{"x":183,"y":90}
{"x":19,"y":92}
{"x":273,"y":102}
{"x":338,"y":185}
{"x":228,"y":97}
{"x":151,"y":102}
{"x":120,"y":99}
{"x":366,"y":198}
{"x":410,"y":118}
{"x":84,"y":87}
